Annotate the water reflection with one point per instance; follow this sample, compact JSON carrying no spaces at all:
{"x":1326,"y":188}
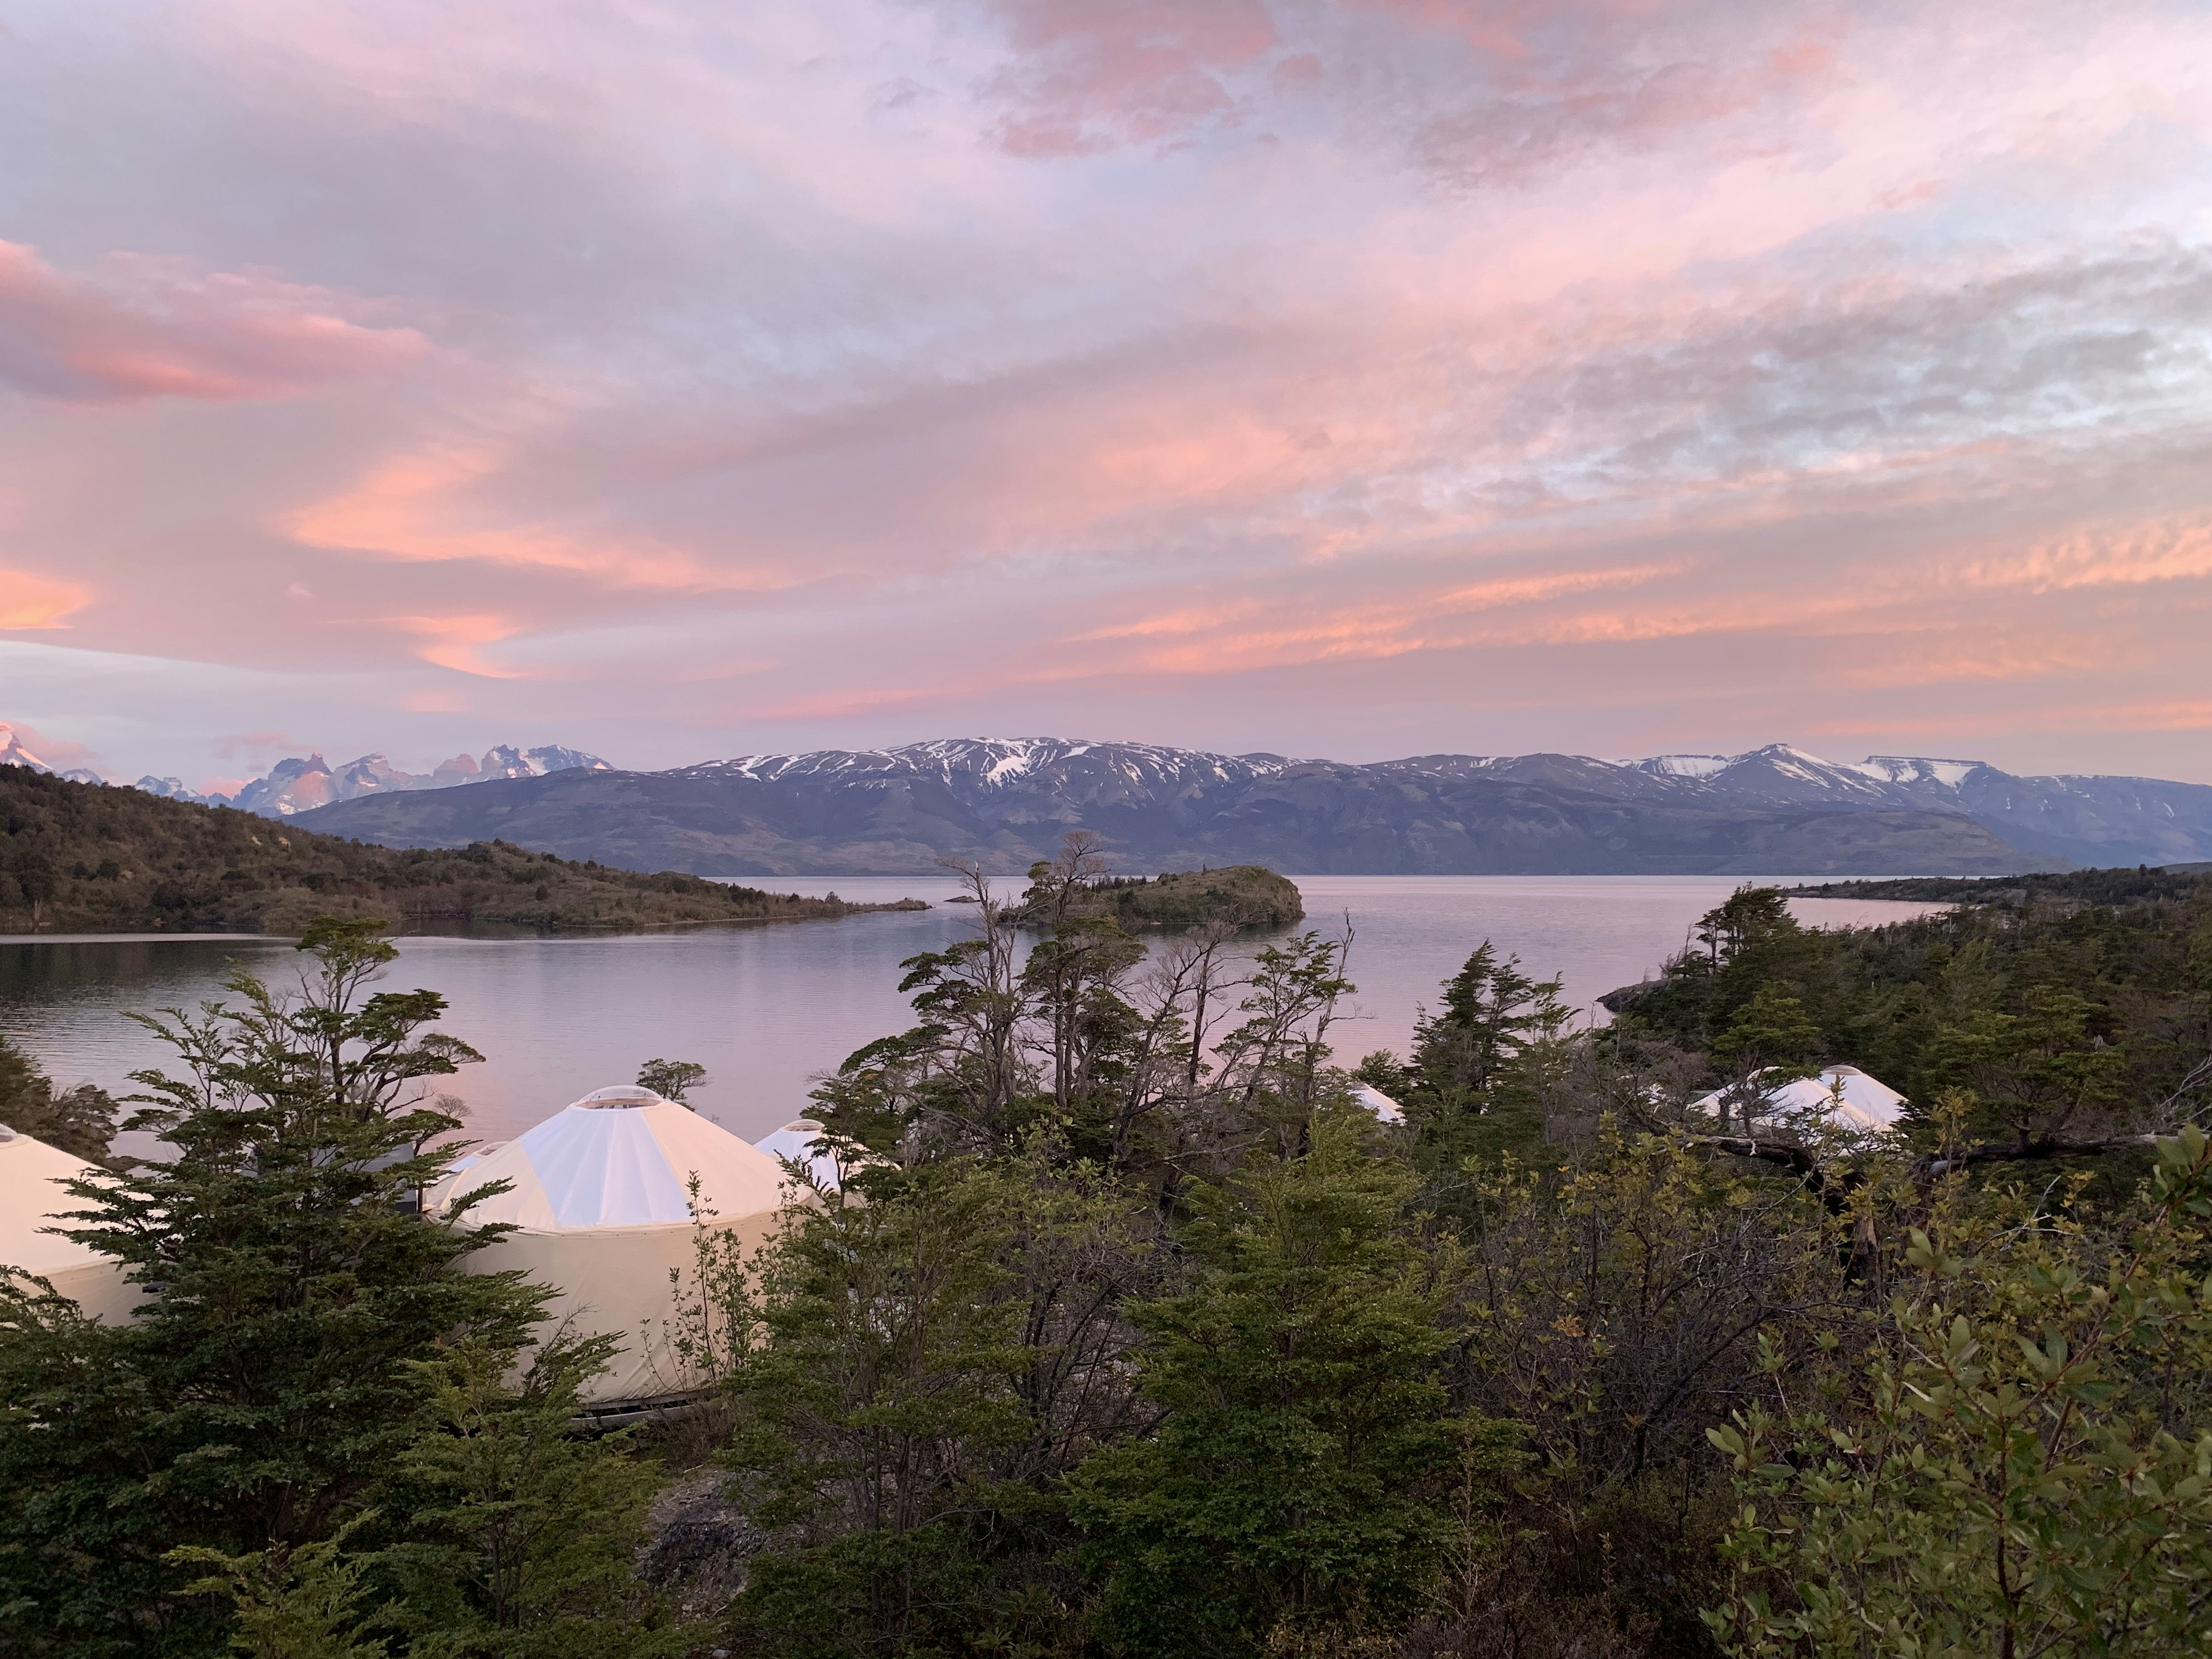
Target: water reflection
{"x":765,"y":1007}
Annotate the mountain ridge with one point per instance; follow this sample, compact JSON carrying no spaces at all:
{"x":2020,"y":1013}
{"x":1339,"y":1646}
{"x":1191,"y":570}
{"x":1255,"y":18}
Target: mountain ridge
{"x":1003,"y":802}
{"x":297,"y":785}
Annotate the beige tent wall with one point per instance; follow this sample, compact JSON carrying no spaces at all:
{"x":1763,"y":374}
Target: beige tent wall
{"x":32,"y":1201}
{"x":98,"y":1288}
{"x":615,"y":1281}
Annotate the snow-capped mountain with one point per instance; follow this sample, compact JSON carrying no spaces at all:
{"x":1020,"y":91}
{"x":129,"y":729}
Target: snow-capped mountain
{"x":301,"y":785}
{"x":987,"y":764}
{"x":12,"y":752}
{"x":1005,"y":802}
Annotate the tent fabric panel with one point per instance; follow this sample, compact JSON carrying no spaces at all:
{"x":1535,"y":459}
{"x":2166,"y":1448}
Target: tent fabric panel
{"x":1865,"y":1103}
{"x":616,"y":1281}
{"x":99,"y":1290}
{"x":735,"y":1178}
{"x":796,"y":1141}
{"x":599,"y":1166}
{"x":603,"y":1168}
{"x":30,"y":1199}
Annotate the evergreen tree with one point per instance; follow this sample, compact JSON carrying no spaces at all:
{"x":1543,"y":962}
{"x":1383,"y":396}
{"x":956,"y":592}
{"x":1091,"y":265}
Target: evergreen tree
{"x":1475,"y":1084}
{"x":927,"y":1369}
{"x":266,"y":1384}
{"x":518,"y":1534}
{"x":1302,"y":1470}
{"x":671,"y":1080}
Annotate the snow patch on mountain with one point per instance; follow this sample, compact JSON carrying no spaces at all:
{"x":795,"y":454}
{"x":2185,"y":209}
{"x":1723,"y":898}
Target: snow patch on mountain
{"x":1683,"y":766}
{"x":992,"y":763}
{"x":12,"y":752}
{"x":1915,"y":769}
{"x":298,"y":784}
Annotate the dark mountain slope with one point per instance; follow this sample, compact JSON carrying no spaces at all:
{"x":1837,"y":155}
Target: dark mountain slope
{"x":93,"y":857}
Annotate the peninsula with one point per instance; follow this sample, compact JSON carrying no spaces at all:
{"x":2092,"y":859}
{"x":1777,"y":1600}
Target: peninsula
{"x":79,"y":858}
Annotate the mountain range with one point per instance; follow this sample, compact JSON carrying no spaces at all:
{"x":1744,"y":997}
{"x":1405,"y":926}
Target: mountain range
{"x":299,"y":786}
{"x":12,"y":753}
{"x":1003,"y":803}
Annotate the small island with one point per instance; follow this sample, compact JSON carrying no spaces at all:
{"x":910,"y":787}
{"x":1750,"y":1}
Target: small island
{"x":1239,"y":895}
{"x":81,"y":858}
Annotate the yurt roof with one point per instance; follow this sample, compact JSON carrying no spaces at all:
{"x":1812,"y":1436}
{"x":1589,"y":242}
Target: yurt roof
{"x":452,"y":1184}
{"x":1386,"y":1110}
{"x":29,"y":1201}
{"x":796,"y":1141}
{"x":1844,"y":1095}
{"x":623,"y":1157}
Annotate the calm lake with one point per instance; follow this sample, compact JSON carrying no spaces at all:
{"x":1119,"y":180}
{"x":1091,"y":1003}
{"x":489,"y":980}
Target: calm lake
{"x":764,"y":1008}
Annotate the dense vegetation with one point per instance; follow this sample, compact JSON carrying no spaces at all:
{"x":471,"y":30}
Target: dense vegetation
{"x":88,"y":858}
{"x":1173,"y":901}
{"x":1237,"y":896}
{"x":2068,"y":1020}
{"x":2067,"y":887}
{"x":1131,"y":1333}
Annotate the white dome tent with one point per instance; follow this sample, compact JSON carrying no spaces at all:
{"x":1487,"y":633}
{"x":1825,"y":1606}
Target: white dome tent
{"x":796,"y":1141}
{"x":1843,"y":1097}
{"x":599,"y":1193}
{"x":1385,"y":1110}
{"x":31,"y":1200}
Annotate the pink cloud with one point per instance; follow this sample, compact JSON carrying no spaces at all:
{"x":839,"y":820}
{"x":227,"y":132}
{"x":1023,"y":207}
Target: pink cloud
{"x":32,"y":602}
{"x":1087,"y":76}
{"x":142,"y":327}
{"x":1256,"y":373}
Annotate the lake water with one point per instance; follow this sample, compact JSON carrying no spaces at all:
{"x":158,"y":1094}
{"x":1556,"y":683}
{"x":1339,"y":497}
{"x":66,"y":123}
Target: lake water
{"x":764,"y":1008}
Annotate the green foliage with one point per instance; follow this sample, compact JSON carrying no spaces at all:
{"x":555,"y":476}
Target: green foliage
{"x":2107,"y":888}
{"x":2023,"y":1465}
{"x":1772,"y":1030}
{"x":670,"y":1078}
{"x":1130,"y":1334}
{"x":1154,"y":1063}
{"x":1299,"y":1474}
{"x":1482,"y":1063}
{"x":265,"y":1386}
{"x":929,"y":1367}
{"x":1235,"y":896}
{"x":2070,"y":1022}
{"x":93,"y":857}
{"x":81,"y":1122}
{"x":2038,"y":1071}
{"x":1611,"y":1307}
{"x":303,"y":1603}
{"x":519,"y":1535}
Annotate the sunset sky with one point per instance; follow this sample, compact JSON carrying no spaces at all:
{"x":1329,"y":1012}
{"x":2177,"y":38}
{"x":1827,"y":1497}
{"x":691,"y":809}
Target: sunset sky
{"x":679,"y":379}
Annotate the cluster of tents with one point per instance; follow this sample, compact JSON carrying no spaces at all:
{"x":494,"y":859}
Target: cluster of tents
{"x":610,"y":1201}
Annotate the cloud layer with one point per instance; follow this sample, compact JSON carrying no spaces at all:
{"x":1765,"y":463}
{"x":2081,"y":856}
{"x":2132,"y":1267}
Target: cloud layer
{"x":1363,"y":378}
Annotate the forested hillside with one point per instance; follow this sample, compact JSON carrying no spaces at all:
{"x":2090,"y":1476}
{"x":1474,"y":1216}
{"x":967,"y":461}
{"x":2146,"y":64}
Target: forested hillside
{"x":2067,"y":1020}
{"x":88,"y":858}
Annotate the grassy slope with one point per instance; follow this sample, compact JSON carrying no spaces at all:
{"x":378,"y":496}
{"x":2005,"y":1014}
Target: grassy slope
{"x":84,"y":858}
{"x":1244,"y":894}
